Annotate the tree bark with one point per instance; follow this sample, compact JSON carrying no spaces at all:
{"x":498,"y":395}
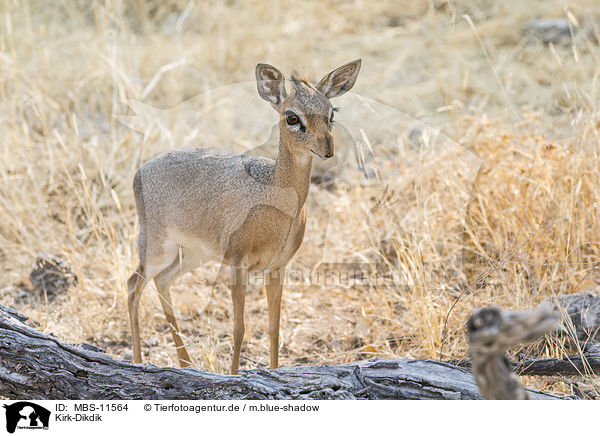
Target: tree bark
{"x":34,"y":365}
{"x":568,"y":366}
{"x":576,"y":365}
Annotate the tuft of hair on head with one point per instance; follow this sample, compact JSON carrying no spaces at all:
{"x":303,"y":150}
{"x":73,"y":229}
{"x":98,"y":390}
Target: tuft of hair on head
{"x":299,"y":80}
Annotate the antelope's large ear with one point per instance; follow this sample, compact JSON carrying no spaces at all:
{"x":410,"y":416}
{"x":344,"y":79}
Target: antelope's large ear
{"x":270,"y":84}
{"x":340,"y":80}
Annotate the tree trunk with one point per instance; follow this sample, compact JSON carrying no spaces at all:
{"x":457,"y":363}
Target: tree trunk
{"x":34,"y":365}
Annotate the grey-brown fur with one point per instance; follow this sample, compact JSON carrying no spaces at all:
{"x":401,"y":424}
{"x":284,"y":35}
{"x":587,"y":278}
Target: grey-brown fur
{"x":491,"y":331}
{"x":249,"y":212}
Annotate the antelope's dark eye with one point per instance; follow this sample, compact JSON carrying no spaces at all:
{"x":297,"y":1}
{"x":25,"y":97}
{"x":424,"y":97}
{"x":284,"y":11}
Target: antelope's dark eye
{"x":292,"y":119}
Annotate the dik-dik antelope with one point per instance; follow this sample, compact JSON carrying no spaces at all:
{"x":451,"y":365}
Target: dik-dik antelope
{"x":248,"y":212}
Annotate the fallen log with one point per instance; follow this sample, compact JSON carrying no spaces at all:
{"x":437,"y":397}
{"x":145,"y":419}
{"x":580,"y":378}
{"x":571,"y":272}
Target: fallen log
{"x":34,"y":365}
{"x":579,"y":364}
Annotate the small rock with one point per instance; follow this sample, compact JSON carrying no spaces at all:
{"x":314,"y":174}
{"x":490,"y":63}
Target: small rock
{"x":584,"y":311}
{"x":549,"y":30}
{"x":153,"y":341}
{"x":51,"y":276}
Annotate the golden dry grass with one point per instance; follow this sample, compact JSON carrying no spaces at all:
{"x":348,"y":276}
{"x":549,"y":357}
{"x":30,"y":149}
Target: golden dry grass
{"x":522,"y":227}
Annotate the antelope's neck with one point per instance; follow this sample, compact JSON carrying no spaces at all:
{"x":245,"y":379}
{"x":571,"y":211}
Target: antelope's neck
{"x":293,"y":170}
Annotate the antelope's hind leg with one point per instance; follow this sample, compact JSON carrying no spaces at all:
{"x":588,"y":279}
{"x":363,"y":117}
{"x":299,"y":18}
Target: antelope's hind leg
{"x":163,"y":281}
{"x":135,"y":286}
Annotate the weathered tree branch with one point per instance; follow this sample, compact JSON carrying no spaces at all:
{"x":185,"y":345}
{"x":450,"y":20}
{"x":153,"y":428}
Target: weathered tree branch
{"x":491,"y":332}
{"x":34,"y":365}
{"x":568,"y":366}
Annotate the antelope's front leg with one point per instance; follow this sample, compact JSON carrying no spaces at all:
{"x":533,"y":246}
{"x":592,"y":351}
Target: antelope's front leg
{"x":238,"y":297}
{"x":274,"y":286}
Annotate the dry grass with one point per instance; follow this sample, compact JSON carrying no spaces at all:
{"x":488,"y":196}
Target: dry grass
{"x":520,"y":229}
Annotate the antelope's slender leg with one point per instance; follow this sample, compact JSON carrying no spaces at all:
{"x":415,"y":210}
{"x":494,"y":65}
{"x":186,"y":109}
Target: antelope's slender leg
{"x":165,"y":300}
{"x":135,"y":285}
{"x":274,"y":287}
{"x":238,"y":297}
{"x":163,"y":284}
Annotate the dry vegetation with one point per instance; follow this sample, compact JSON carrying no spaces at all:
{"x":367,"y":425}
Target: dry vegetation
{"x":505,"y":212}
